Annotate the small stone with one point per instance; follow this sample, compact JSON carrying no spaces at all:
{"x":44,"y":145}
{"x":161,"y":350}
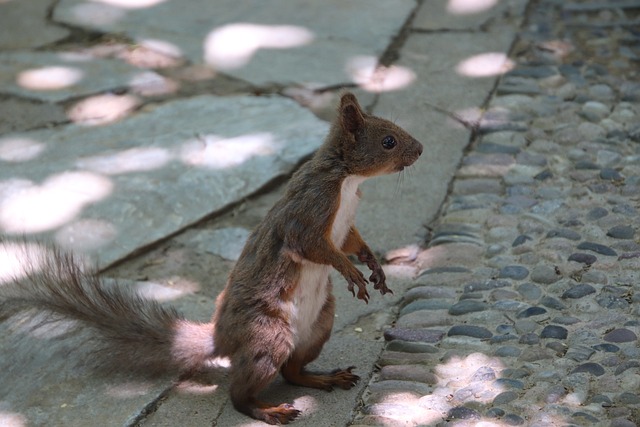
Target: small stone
{"x":509,"y":383}
{"x":544,"y":274}
{"x":595,"y":111}
{"x":621,"y":232}
{"x":530,"y":291}
{"x":565,"y":233}
{"x":462,"y":413}
{"x":601,"y":92}
{"x":554,"y":331}
{"x":520,"y":240}
{"x":495,"y":413}
{"x":419,"y":335}
{"x":505,"y":397}
{"x":584,"y":418}
{"x":583,"y":258}
{"x":607,"y":348}
{"x":470,"y":331}
{"x":417,"y":373}
{"x":507,"y":351}
{"x":551,"y":302}
{"x":590,"y":368}
{"x":513,"y":420}
{"x":626,"y":365}
{"x":515,"y":272}
{"x":467,"y":306}
{"x":555,"y":393}
{"x":597,"y":248}
{"x":627,"y":398}
{"x":602,"y":399}
{"x":544,"y":175}
{"x":597,"y":213}
{"x":411,"y":347}
{"x":566,"y":320}
{"x":578,"y":291}
{"x":620,"y":335}
{"x":622,"y":422}
{"x":559,"y":347}
{"x":531,"y":311}
{"x":484,"y":373}
{"x":586,"y":165}
{"x":529,"y":339}
{"x":609,"y":174}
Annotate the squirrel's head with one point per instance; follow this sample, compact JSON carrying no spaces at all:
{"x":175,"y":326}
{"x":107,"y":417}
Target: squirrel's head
{"x":371,"y":145}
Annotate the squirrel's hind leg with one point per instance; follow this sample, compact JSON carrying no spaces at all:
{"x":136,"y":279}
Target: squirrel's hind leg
{"x":294,"y":372}
{"x":253,"y":369}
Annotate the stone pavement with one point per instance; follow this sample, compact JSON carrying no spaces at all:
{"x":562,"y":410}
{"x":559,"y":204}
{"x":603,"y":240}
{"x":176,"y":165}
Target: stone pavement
{"x":167,"y":127}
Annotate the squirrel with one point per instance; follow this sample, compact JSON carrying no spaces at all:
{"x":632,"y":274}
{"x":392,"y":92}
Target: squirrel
{"x":277,"y":308}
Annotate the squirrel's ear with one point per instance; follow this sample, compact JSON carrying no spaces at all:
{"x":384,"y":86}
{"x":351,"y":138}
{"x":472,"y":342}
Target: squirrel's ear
{"x":350,"y":113}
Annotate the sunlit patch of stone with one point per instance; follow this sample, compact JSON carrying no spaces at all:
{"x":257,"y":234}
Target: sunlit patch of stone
{"x":12,"y":419}
{"x":26,"y":207}
{"x":17,"y":259}
{"x":219,"y":153}
{"x":485,"y":65}
{"x":86,"y":235}
{"x":365,"y":71}
{"x":139,"y":159}
{"x":102,"y":109}
{"x":232,"y":46}
{"x":129,"y":389}
{"x":131,"y":4}
{"x":467,"y":7}
{"x":49,"y":78}
{"x":18,"y":149}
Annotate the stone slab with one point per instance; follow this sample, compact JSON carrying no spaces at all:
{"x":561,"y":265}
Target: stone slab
{"x":24,"y":24}
{"x":307,"y":41}
{"x":437,"y":15}
{"x":110,"y":190}
{"x":59,"y":76}
{"x":414,"y":199}
{"x":19,"y":115}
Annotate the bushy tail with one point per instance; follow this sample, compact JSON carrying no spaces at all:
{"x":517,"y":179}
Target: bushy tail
{"x":132,"y":333}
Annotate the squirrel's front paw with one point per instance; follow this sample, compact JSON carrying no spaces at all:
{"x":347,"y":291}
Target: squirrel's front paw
{"x":378,"y":279}
{"x":355,"y":277}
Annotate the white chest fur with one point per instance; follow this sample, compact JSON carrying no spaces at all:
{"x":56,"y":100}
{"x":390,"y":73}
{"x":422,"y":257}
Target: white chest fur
{"x":311,"y":292}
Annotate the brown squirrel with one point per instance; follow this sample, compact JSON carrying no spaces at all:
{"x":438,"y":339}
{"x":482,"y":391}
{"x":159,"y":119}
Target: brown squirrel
{"x":277,"y":309}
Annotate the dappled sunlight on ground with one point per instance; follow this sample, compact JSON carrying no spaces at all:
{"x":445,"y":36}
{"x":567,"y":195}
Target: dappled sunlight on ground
{"x":102,"y":109}
{"x":18,"y":149}
{"x":138,"y":159}
{"x":12,"y":419}
{"x":466,"y":7}
{"x":98,"y":14}
{"x":129,"y":389}
{"x":86,"y":235}
{"x":487,"y":64}
{"x":158,"y":292}
{"x":49,"y":78}
{"x":212,"y":151}
{"x":365,"y":71}
{"x":13,"y":258}
{"x":131,"y":4}
{"x":26,"y":207}
{"x":232,"y":46}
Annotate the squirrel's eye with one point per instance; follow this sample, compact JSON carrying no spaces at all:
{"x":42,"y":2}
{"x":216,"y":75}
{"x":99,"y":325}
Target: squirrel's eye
{"x":388,"y":142}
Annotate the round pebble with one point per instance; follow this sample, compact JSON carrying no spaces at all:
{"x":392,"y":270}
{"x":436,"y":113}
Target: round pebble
{"x":597,"y":213}
{"x":551,"y":302}
{"x":420,"y":335}
{"x":467,"y":306}
{"x":620,"y":335}
{"x":544,"y":274}
{"x":462,"y":413}
{"x":583,"y":258}
{"x":554,"y":331}
{"x":597,"y":248}
{"x":564,"y":233}
{"x":515,"y":272}
{"x":621,"y":232}
{"x":579,"y":291}
{"x":505,"y":397}
{"x":529,"y":339}
{"x":590,"y":368}
{"x":507,"y":351}
{"x":513,"y":420}
{"x":531,"y":311}
{"x":470,"y":331}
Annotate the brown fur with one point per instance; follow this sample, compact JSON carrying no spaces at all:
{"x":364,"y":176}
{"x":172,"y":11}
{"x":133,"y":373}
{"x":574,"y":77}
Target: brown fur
{"x":251,"y":325}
